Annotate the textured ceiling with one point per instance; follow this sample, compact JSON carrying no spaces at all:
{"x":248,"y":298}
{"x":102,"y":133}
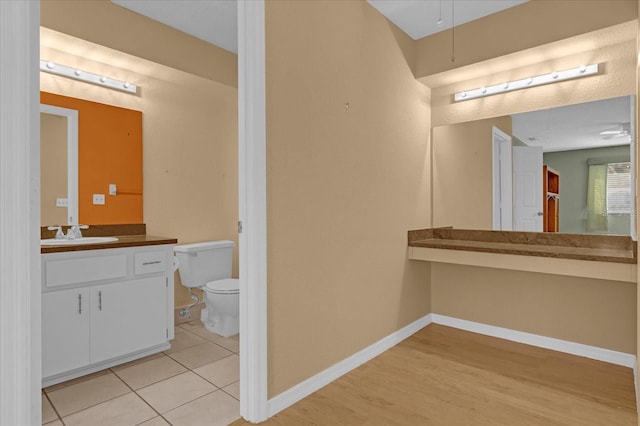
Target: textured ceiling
{"x":576,"y":126}
{"x":208,"y":20}
{"x":215,"y":21}
{"x":419,"y":18}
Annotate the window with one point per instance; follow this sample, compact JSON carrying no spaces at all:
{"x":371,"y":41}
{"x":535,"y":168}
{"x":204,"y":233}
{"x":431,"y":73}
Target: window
{"x":608,"y":194}
{"x":619,"y":188}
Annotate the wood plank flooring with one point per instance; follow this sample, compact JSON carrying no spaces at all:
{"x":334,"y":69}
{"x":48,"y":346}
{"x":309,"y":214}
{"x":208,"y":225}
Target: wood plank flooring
{"x":449,"y":377}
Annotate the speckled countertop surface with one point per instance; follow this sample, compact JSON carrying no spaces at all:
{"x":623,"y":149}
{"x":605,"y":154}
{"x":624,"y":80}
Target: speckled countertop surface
{"x":603,"y":248}
{"x":128,"y":236}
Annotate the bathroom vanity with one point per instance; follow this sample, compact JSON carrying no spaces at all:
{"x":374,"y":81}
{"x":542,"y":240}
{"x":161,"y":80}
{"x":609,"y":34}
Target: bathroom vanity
{"x":105,"y":304}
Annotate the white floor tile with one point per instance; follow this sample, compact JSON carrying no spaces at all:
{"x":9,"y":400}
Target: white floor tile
{"x":147,"y":373}
{"x":177,"y":390}
{"x":214,"y":409}
{"x":222,"y":372}
{"x":126,"y":410}
{"x":86,"y":394}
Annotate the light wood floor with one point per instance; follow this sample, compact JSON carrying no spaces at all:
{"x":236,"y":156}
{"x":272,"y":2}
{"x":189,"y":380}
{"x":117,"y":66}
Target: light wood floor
{"x":444,"y":376}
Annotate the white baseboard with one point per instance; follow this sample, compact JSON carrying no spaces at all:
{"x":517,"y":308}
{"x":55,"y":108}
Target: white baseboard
{"x":312,"y":384}
{"x":593,"y":352}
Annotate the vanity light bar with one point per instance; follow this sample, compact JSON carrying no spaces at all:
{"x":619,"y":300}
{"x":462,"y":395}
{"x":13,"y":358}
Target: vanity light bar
{"x":88,"y":77}
{"x":539,"y":80}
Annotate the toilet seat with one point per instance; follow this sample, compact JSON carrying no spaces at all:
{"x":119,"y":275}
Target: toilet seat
{"x":226,"y":286}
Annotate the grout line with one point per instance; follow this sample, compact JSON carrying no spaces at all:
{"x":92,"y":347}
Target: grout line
{"x":111,"y":371}
{"x":189,"y":402}
{"x":222,"y":389}
{"x":44,"y":394}
{"x":137,"y":394}
{"x":93,"y":405}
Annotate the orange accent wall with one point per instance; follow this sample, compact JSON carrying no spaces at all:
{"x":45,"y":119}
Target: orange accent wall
{"x":109,"y":151}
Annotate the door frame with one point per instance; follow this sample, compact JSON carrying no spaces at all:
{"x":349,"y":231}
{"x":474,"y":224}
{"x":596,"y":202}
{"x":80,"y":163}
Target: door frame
{"x":20,"y":310}
{"x":252,"y":180}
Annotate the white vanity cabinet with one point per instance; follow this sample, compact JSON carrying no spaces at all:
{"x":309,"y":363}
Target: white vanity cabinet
{"x":104,"y":307}
{"x":65,"y":331}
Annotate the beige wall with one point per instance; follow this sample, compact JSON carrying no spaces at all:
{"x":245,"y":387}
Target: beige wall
{"x":189,"y":139}
{"x":462,"y":170}
{"x":593,"y":312}
{"x":535,"y":23}
{"x":614,"y":49}
{"x":347,"y":177}
{"x":107,"y":24}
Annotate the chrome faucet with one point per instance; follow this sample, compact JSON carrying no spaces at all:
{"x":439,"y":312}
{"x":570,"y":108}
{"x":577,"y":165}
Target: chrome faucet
{"x":59,"y":233}
{"x":75,"y":232}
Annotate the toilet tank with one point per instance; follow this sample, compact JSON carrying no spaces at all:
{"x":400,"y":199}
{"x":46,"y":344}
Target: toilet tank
{"x":200,"y":263}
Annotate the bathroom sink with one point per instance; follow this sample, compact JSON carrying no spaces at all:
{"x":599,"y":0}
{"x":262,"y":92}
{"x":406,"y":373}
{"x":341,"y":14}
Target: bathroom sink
{"x":83,"y":240}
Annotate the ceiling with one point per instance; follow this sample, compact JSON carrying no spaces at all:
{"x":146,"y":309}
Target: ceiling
{"x":215,"y":21}
{"x":576,"y":126}
{"x":419,"y":18}
{"x":565,"y":128}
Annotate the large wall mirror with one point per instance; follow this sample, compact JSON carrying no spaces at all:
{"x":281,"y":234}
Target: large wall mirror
{"x":90,"y":162}
{"x":568,"y":169}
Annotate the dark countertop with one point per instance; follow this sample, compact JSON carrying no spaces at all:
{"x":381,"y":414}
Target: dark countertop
{"x":133,"y":235}
{"x":602,"y":248}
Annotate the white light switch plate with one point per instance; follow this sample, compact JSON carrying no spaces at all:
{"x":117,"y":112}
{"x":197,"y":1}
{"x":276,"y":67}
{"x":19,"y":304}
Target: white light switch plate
{"x":98,"y":199}
{"x":62,"y":202}
{"x":113,"y":189}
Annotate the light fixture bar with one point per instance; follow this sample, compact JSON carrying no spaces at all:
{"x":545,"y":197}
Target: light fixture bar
{"x":88,"y":77}
{"x":538,"y":80}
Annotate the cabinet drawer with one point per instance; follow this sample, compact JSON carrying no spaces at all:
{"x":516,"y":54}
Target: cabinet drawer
{"x":61,"y":272}
{"x":151,"y":262}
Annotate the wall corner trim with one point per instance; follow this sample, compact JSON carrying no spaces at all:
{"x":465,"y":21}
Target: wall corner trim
{"x":314,"y":383}
{"x":579,"y":349}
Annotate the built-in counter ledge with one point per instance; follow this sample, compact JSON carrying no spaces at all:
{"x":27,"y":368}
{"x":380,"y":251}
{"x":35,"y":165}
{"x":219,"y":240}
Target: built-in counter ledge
{"x":603,"y":257}
{"x":599,"y":248}
{"x":129,"y":235}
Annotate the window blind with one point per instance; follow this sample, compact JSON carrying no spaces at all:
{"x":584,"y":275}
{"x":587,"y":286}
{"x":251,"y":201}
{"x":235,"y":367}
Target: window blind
{"x":619,"y":188}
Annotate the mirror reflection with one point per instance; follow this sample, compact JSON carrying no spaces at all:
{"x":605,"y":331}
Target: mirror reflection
{"x":565,"y":169}
{"x":58,"y":166}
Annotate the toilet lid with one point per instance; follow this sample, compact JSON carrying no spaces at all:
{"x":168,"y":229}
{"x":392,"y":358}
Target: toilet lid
{"x":229,"y":285}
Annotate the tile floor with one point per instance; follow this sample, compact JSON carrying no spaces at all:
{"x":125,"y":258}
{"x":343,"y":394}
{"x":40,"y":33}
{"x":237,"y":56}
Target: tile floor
{"x":192,"y":384}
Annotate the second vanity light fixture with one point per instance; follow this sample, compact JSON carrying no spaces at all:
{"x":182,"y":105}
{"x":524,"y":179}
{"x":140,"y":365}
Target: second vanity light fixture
{"x":539,"y":80}
{"x":88,"y":77}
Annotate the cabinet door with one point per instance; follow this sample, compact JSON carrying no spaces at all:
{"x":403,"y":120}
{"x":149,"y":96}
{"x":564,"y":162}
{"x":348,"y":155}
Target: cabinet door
{"x":127,"y":317}
{"x":65,"y":331}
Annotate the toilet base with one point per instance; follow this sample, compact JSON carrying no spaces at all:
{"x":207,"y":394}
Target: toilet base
{"x":225,"y":326}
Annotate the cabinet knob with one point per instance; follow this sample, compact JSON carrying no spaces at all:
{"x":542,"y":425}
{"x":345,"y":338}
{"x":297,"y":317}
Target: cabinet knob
{"x":540,"y":214}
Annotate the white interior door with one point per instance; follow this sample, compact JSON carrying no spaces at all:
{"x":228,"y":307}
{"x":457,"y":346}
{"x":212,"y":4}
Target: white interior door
{"x":502,"y":181}
{"x":527,"y":180}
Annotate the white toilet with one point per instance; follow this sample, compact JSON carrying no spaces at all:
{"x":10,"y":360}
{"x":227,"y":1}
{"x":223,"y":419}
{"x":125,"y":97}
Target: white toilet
{"x":207,"y":266}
